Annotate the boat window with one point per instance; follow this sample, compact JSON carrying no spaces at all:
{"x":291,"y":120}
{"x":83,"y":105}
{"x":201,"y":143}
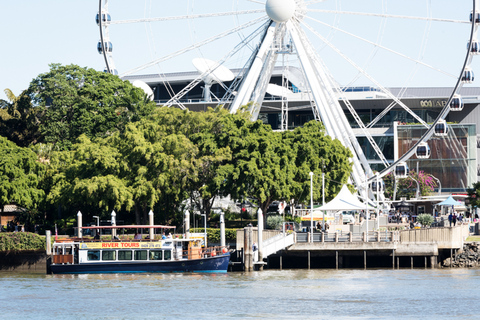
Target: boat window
{"x":167,"y":255}
{"x":108,"y":255}
{"x":93,"y":255}
{"x":140,"y":254}
{"x":156,"y":254}
{"x":125,"y":255}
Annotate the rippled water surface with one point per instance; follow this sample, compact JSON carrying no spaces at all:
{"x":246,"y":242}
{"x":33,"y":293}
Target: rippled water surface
{"x":286,"y":294}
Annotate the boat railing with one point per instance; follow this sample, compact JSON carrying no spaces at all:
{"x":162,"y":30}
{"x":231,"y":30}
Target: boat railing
{"x":198,"y":253}
{"x":109,"y":238}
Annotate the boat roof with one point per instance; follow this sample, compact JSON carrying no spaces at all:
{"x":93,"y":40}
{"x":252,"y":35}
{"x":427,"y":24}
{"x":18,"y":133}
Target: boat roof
{"x":129,"y":227}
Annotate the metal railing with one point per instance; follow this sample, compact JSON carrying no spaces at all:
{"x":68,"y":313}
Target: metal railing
{"x":339,"y":236}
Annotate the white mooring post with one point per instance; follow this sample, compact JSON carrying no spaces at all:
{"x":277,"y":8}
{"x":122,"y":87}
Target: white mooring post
{"x":114,"y":223}
{"x":79,"y":224}
{"x":48,"y":237}
{"x":222,"y":229}
{"x":150,"y":221}
{"x":260,"y":236}
{"x":247,"y":248}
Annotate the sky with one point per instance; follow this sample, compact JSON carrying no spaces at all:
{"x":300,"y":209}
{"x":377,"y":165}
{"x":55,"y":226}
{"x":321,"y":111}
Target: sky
{"x":37,"y":33}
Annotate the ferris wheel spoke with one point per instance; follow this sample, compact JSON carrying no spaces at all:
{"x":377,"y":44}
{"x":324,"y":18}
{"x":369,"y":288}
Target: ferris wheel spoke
{"x":194,"y":46}
{"x":255,"y":1}
{"x":188,"y":17}
{"x":176,"y":98}
{"x":385,"y":48}
{"x":373,"y":80}
{"x":383,"y":15}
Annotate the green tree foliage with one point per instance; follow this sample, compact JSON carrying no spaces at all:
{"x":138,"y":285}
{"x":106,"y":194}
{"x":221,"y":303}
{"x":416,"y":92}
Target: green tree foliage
{"x":76,"y":101}
{"x":159,"y":166}
{"x":88,"y":178}
{"x":262,"y":166}
{"x":315,"y":151}
{"x":474,"y":195}
{"x":20,"y":173}
{"x":18,"y":120}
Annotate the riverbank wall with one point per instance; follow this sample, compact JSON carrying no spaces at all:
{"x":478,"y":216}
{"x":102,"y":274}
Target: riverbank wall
{"x":23,"y":261}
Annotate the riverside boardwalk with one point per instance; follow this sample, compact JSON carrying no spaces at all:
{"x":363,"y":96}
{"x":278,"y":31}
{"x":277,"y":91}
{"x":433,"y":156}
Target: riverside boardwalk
{"x":425,"y":248}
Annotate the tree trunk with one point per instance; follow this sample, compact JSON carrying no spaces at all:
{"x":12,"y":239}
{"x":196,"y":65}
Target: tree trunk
{"x":137,"y":214}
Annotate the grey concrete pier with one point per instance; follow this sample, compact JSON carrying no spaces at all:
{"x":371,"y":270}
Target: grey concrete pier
{"x":391,"y":249}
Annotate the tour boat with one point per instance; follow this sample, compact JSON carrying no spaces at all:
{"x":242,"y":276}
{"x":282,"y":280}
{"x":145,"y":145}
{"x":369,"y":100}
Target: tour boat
{"x":122,"y":255}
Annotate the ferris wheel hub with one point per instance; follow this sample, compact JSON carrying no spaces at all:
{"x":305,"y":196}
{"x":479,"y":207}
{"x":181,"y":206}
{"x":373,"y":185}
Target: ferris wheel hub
{"x":280,"y":10}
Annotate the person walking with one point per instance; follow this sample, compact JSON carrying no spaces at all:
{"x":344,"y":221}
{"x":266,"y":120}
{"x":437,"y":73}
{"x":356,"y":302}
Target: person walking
{"x":450,"y":219}
{"x":454,"y":219}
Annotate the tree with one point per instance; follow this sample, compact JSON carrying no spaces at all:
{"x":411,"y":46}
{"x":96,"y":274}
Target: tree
{"x":159,"y":166}
{"x":20,"y":173}
{"x":89,"y":178}
{"x":19,"y":120}
{"x":474,"y":195}
{"x":80,"y":101}
{"x":317,"y":152}
{"x":407,"y":187}
{"x":262,"y":166}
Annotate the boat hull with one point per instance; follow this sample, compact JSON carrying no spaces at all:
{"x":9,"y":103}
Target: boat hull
{"x":218,"y":264}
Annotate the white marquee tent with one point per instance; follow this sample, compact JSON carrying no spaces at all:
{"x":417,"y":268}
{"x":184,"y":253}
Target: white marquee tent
{"x":344,"y":200}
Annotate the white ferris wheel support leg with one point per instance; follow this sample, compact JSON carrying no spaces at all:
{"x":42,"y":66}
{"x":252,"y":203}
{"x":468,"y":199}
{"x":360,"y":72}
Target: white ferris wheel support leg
{"x":330,"y":110}
{"x":244,"y":95}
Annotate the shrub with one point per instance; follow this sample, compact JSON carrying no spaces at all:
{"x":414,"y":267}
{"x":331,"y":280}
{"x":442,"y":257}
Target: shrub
{"x":425,"y":219}
{"x":19,"y":241}
{"x":274,"y":222}
{"x":213,"y":235}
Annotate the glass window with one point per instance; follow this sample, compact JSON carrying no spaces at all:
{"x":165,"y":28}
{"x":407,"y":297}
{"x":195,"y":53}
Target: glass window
{"x":420,"y":209}
{"x":140,"y":254}
{"x":108,"y":255}
{"x":125,"y":255}
{"x":167,"y":255}
{"x":93,"y":255}
{"x":156,"y":254}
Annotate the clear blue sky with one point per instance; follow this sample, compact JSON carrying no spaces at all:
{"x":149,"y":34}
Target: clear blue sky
{"x":36,"y":33}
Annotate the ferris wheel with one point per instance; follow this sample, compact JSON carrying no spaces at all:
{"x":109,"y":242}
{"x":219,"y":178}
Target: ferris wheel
{"x":326,"y":50}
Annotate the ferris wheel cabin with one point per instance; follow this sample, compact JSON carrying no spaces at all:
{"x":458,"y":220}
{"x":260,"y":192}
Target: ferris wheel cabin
{"x":477,"y":16}
{"x":106,"y":18}
{"x":423,"y":151}
{"x":457,"y":103}
{"x":402,"y":170}
{"x":468,"y":76}
{"x":441,"y":128}
{"x":377,"y":186}
{"x":475,"y":48}
{"x":108,"y":46}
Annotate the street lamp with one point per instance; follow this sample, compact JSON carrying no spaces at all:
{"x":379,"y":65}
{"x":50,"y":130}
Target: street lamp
{"x":205,"y":227}
{"x":98,"y":223}
{"x":323,"y":199}
{"x":439,"y":184}
{"x":311,"y":207}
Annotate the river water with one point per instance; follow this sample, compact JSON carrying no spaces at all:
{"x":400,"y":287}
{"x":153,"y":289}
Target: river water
{"x":271,"y":294}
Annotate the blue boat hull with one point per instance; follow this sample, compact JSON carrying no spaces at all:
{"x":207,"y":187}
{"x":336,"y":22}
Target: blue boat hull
{"x":218,"y":264}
